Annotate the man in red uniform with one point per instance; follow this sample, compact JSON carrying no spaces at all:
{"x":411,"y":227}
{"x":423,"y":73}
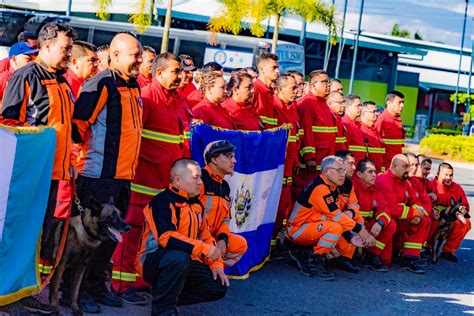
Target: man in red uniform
{"x":161,"y":145}
{"x":336,"y":103}
{"x":27,"y":37}
{"x":389,"y":125}
{"x":299,"y":77}
{"x":446,"y":189}
{"x":319,"y":130}
{"x":187,"y":86}
{"x":372,"y":138}
{"x":145,"y":76}
{"x":197,"y":95}
{"x":285,"y":104}
{"x":335,"y":85}
{"x":376,"y":213}
{"x":82,"y":66}
{"x":412,"y":224}
{"x":263,"y":101}
{"x":355,"y":138}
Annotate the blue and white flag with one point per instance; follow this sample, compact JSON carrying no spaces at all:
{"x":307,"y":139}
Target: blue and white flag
{"x":255,"y":186}
{"x":26,"y":166}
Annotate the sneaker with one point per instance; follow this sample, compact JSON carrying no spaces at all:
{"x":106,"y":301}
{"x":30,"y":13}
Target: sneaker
{"x":107,"y":298}
{"x":86,"y":303}
{"x":373,"y":262}
{"x":134,"y":297}
{"x":449,"y":256}
{"x":412,"y":265}
{"x":32,"y":305}
{"x":346,"y":264}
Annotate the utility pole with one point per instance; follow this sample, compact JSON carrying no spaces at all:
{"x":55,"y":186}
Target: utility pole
{"x":341,"y":42}
{"x":69,"y":5}
{"x":327,"y":50}
{"x":166,"y":29}
{"x":356,"y":48}
{"x":459,"y":67}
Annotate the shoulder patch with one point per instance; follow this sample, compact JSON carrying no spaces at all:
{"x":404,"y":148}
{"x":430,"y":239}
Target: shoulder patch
{"x":330,"y":202}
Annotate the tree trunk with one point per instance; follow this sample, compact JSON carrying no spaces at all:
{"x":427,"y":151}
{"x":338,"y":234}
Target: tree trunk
{"x":275,"y":34}
{"x":152,"y":13}
{"x":166,"y":30}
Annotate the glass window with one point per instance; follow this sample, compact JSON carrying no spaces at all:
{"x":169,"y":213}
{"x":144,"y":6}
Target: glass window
{"x":102,"y":37}
{"x":194,"y":49}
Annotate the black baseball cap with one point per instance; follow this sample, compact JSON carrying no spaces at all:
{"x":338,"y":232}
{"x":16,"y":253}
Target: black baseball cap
{"x":214,"y":149}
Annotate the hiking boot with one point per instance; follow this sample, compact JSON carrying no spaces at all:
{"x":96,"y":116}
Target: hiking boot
{"x":134,"y":297}
{"x":316,"y":269}
{"x":423,"y":262}
{"x":373,"y":262}
{"x":426,"y":254}
{"x":86,"y":303}
{"x":412,"y":265}
{"x":345,"y":264}
{"x":32,"y":305}
{"x":449,"y":256}
{"x":105,"y":297}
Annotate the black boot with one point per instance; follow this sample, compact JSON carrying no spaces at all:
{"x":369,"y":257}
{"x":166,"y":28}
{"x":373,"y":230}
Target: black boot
{"x":372,"y":261}
{"x":345,"y":264}
{"x":412,"y":265}
{"x":315,"y":268}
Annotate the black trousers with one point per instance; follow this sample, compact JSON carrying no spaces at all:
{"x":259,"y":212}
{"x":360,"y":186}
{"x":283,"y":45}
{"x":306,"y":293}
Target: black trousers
{"x":178,"y":280}
{"x":49,"y":215}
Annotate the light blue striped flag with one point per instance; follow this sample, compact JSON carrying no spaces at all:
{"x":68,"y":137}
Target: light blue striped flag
{"x":26,"y":164}
{"x":255,"y":187}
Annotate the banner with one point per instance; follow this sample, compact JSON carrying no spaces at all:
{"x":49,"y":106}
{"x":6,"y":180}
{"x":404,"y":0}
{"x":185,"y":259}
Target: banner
{"x":26,"y":166}
{"x":255,"y":186}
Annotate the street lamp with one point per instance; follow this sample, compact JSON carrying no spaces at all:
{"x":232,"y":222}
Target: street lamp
{"x":459,"y":67}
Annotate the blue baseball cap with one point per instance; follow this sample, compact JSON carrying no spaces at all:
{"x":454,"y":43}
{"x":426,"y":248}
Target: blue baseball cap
{"x":21,"y":48}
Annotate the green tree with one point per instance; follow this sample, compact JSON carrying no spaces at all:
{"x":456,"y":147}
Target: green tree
{"x":234,"y":14}
{"x":396,"y":31}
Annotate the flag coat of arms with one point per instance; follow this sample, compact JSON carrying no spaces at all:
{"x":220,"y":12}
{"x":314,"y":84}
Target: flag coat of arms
{"x":26,"y":166}
{"x":255,"y":186}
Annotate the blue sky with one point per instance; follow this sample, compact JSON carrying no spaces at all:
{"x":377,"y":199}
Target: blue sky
{"x":436,"y":20}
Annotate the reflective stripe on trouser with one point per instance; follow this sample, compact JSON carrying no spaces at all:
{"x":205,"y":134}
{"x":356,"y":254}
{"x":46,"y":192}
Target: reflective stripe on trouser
{"x":235,"y":251}
{"x":383,"y":246}
{"x":124,"y":274}
{"x":456,"y":235}
{"x":322,"y":235}
{"x":409,"y":237}
{"x":284,"y":208}
{"x":45,"y":267}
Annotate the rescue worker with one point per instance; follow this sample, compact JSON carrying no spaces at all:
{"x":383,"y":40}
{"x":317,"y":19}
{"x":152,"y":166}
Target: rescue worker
{"x":335,"y":85}
{"x":211,"y":109}
{"x":37,"y":94}
{"x":108,"y":116}
{"x":103,"y":57}
{"x":268,"y":71}
{"x":336,"y":103}
{"x":355,"y":139}
{"x":319,"y":130}
{"x":19,"y":55}
{"x":197,"y":95}
{"x":82,"y":66}
{"x":219,"y":157}
{"x":178,"y":255}
{"x":285,"y":104}
{"x":418,"y":185}
{"x":376,"y":213}
{"x":145,"y":76}
{"x":373,"y":140}
{"x":412,"y":224}
{"x":317,"y":221}
{"x":239,"y":103}
{"x":423,"y":173}
{"x":299,"y":77}
{"x":389,"y":125}
{"x":446,"y":189}
{"x":27,"y":37}
{"x":252,"y":72}
{"x":187,"y":86}
{"x":161,"y":145}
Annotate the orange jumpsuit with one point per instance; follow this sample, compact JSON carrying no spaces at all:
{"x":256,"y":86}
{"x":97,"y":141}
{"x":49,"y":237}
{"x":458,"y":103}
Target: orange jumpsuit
{"x":355,"y":138}
{"x":393,"y":135}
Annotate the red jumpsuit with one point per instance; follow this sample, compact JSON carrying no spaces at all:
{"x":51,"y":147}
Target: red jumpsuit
{"x":393,"y":135}
{"x":213,"y":114}
{"x":74,"y":82}
{"x":458,"y":230}
{"x":244,"y":116}
{"x":375,"y":146}
{"x":420,"y":191}
{"x":263,"y":102}
{"x":187,"y":89}
{"x":194,"y":98}
{"x":4,"y":77}
{"x":185,"y":115}
{"x":355,"y":138}
{"x":161,"y":145}
{"x":143,"y":81}
{"x":402,"y":202}
{"x":4,"y":64}
{"x":319,"y":138}
{"x":341,"y":139}
{"x":373,"y":208}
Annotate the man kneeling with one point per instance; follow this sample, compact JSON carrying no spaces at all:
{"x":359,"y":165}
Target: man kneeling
{"x":177,"y":254}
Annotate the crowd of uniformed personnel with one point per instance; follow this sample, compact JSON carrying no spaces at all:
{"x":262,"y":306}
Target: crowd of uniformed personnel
{"x":122,"y":116}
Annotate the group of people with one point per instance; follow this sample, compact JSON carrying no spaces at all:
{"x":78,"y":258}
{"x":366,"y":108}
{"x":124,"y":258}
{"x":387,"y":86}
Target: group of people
{"x":122,"y":117}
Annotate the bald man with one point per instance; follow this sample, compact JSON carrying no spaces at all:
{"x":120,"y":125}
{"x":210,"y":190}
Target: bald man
{"x":108,"y":118}
{"x":412,"y":221}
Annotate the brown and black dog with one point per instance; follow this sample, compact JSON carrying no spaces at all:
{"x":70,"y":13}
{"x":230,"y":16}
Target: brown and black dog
{"x":455,"y":211}
{"x":86,"y":232}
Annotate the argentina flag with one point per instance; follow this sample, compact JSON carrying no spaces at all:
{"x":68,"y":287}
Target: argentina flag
{"x":26,"y":166}
{"x":255,"y":186}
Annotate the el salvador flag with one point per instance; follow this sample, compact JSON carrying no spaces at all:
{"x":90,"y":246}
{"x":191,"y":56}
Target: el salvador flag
{"x":26,"y":166}
{"x":255,"y":186}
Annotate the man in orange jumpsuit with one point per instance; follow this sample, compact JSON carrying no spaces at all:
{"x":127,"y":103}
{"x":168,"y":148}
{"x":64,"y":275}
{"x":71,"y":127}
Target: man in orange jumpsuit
{"x":220,"y":161}
{"x":319,"y":130}
{"x":336,"y":103}
{"x":355,"y":138}
{"x":376,"y":213}
{"x":161,"y":145}
{"x":389,"y":125}
{"x":263,"y":102}
{"x":372,"y":138}
{"x":318,"y":222}
{"x":412,"y":224}
{"x":445,"y":189}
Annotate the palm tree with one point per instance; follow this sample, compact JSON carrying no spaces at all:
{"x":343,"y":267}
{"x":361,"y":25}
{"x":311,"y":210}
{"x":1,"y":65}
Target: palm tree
{"x":234,"y":12}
